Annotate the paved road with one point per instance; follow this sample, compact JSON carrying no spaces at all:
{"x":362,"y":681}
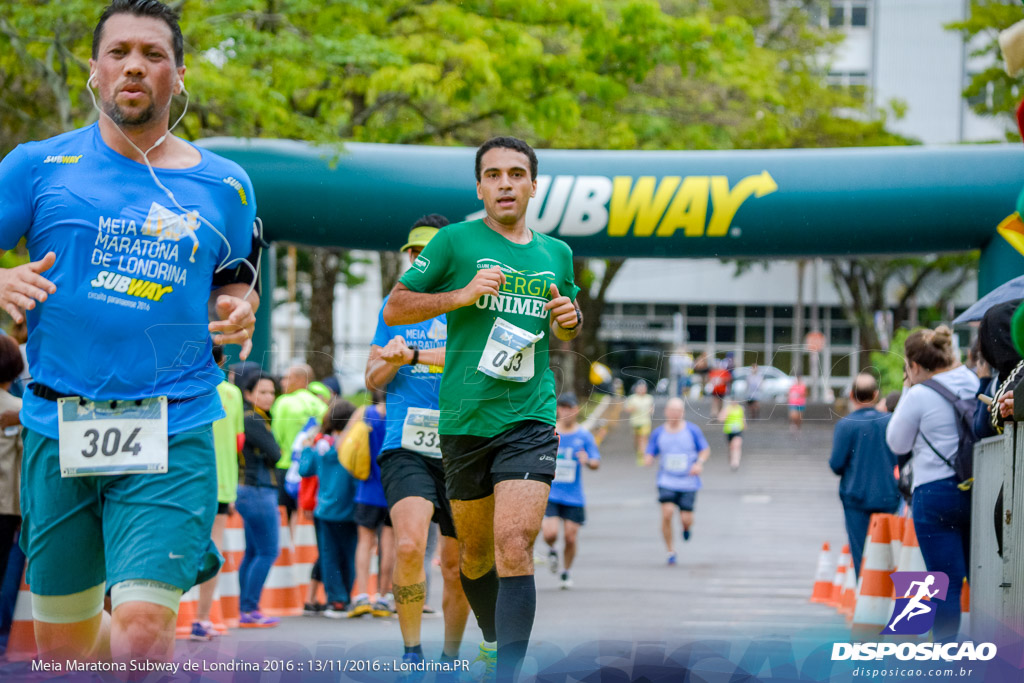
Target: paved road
{"x":746,"y":573}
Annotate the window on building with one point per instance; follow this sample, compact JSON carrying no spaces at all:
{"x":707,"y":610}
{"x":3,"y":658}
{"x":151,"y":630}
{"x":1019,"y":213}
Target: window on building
{"x":841,"y":365}
{"x":837,"y":15}
{"x":725,"y":333}
{"x":697,"y":333}
{"x":754,"y":312}
{"x":858,"y":14}
{"x":842,"y":334}
{"x":854,"y":82}
{"x":696,"y":311}
{"x":751,"y":357}
{"x":753,"y":334}
{"x":726,"y":311}
{"x":665,"y":309}
{"x":610,"y":309}
{"x":634,"y":309}
{"x":782,"y":334}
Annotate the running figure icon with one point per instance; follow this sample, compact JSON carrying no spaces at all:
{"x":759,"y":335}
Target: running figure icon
{"x":916,"y":605}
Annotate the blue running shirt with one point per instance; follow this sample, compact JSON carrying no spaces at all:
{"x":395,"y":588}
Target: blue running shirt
{"x":133,"y":272}
{"x":567,"y":488}
{"x":677,"y":452}
{"x":414,"y":386}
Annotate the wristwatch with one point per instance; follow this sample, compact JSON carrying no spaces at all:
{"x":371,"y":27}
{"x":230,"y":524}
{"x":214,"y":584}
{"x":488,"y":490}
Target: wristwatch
{"x":415,"y":356}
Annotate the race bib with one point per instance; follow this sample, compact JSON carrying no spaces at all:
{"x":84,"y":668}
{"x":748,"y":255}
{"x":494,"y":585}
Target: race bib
{"x":565,"y":470}
{"x":677,"y":463}
{"x":419,"y":432}
{"x":112,"y":437}
{"x":508,"y":353}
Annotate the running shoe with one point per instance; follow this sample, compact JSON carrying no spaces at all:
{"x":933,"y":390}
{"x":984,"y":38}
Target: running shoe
{"x":337,"y":610}
{"x":380,"y":608}
{"x":361,"y":607}
{"x":566,"y":581}
{"x":553,"y":560}
{"x":671,"y":559}
{"x":686,"y":534}
{"x":200,"y":632}
{"x":256,"y":619}
{"x":212,"y":630}
{"x":312,"y":609}
{"x":427,"y":609}
{"x":483,"y":668}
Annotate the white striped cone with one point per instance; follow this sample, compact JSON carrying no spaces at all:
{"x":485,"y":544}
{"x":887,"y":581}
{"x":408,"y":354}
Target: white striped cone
{"x":306,"y":553}
{"x":21,"y":643}
{"x":822,"y":590}
{"x":840,"y":577}
{"x":281,"y":594}
{"x":875,"y":590}
{"x":910,"y":559}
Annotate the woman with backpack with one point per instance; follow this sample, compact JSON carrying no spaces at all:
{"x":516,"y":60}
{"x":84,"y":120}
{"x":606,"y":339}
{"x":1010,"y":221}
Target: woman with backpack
{"x":926,"y":424}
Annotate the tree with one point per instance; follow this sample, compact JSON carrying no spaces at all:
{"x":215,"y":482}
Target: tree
{"x":618,"y":74}
{"x":868,"y":285}
{"x":991,"y":91}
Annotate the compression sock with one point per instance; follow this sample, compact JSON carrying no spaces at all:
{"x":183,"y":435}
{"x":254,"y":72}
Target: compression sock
{"x":415,"y":649}
{"x":517,"y":604}
{"x":482,"y":594}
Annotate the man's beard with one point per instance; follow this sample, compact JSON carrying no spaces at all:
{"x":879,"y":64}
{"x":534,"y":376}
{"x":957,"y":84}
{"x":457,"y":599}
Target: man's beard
{"x":121,"y":118}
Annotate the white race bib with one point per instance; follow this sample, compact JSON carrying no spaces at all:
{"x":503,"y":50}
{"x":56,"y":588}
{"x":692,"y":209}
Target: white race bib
{"x":565,"y":470}
{"x":419,"y":432}
{"x":677,"y":463}
{"x":508,"y":353}
{"x":112,"y":437}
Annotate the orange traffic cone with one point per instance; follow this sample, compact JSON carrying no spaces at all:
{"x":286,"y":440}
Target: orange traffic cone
{"x":282,"y":596}
{"x":875,"y":590}
{"x":306,"y":553}
{"x":848,"y":598}
{"x":21,"y":644}
{"x":228,"y":587}
{"x":187,"y":610}
{"x":839,"y":580}
{"x":965,"y":608}
{"x":910,"y":558}
{"x":822,"y":591}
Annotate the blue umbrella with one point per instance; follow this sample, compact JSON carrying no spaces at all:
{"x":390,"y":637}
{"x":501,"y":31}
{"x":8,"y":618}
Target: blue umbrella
{"x":1008,"y":291}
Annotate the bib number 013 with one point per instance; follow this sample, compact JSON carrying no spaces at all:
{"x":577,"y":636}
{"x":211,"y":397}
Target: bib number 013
{"x":105,"y":438}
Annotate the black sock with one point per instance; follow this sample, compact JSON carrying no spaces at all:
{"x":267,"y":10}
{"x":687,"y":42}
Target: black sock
{"x":517,"y":605}
{"x":482,"y":594}
{"x":415,"y":649}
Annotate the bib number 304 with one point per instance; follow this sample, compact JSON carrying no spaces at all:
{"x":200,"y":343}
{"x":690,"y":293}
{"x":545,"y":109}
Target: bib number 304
{"x":112,"y":437}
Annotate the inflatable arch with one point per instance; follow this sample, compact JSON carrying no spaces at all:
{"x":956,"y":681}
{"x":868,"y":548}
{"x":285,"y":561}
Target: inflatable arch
{"x":765,"y":203}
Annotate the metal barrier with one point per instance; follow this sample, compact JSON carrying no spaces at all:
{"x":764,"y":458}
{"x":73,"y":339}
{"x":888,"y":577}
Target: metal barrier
{"x":997,"y":583}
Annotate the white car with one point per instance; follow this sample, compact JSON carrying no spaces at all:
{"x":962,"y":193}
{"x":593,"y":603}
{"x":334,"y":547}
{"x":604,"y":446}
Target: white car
{"x":775,"y":384}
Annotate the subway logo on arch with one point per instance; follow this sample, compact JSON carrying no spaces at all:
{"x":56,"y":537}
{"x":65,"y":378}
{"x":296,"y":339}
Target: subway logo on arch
{"x":644,"y":206}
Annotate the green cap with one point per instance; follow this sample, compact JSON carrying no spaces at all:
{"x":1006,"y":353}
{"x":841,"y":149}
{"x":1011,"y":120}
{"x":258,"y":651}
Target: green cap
{"x":320,"y":389}
{"x":420,"y":236}
{"x":1017,"y":330}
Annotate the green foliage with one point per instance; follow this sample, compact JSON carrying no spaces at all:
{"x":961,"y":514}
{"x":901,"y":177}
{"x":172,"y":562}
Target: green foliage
{"x":624,"y":74}
{"x":888,"y":365}
{"x":980,"y":32}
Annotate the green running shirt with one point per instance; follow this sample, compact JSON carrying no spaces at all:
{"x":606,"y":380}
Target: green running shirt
{"x":488,"y":385}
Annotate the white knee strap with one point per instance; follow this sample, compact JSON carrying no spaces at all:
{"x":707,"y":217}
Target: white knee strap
{"x":68,"y":609}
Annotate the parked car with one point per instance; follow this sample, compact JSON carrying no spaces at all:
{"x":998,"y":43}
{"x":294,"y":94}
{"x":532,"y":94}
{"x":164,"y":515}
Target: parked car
{"x":775,"y":384}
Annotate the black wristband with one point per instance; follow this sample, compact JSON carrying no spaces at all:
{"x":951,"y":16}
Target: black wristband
{"x":415,"y":356}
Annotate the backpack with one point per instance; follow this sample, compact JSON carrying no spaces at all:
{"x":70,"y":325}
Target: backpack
{"x":962,"y":462}
{"x":354,"y":454}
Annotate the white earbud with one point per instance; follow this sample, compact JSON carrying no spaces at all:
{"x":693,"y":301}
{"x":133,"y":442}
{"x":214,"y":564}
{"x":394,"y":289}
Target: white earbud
{"x":91,"y":83}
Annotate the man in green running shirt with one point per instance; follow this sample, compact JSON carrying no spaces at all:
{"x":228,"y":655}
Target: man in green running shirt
{"x":504,"y":288}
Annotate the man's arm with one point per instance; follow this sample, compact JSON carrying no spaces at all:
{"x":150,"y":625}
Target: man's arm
{"x":385,"y":362}
{"x":702,"y":457}
{"x":406,"y":307}
{"x":233,"y":312}
{"x":840,"y":450}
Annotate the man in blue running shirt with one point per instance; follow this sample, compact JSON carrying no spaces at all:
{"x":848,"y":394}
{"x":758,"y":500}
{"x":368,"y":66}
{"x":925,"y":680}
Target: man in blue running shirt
{"x":576,"y":449}
{"x":681,"y":451}
{"x":136,"y":237}
{"x":408,"y":361}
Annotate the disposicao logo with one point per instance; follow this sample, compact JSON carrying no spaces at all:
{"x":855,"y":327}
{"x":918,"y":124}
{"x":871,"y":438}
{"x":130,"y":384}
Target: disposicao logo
{"x":914,"y":613}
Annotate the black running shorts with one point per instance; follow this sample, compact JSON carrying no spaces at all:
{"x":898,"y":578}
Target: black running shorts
{"x":474,"y":464}
{"x":407,"y":474}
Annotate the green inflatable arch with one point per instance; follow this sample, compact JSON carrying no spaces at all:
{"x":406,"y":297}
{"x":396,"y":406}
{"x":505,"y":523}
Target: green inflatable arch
{"x":777,"y":203}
